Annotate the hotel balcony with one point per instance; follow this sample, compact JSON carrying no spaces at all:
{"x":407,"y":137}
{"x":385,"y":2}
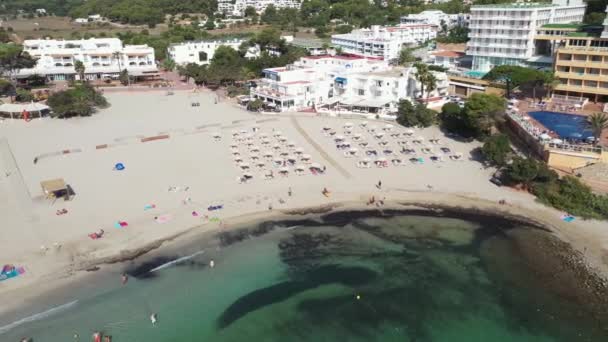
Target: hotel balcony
{"x":579,"y":63}
{"x":582,"y":89}
{"x":582,"y":76}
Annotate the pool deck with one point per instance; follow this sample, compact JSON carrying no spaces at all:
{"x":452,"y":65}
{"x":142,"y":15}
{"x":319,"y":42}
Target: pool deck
{"x":525,"y":106}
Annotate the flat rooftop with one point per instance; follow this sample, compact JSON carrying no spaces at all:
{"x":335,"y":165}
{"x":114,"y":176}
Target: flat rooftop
{"x":517,"y":5}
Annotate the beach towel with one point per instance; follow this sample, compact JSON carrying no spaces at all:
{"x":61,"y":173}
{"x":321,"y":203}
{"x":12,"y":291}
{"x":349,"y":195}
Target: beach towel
{"x":194,"y":213}
{"x":421,"y":160}
{"x":149,"y":206}
{"x":163,"y":218}
{"x":568,"y":218}
{"x":94,"y":236}
{"x":120,"y":224}
{"x":215,"y":207}
{"x":10,"y":271}
{"x":214,"y":219}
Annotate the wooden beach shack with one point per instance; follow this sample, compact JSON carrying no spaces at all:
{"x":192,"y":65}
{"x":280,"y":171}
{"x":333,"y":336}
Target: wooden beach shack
{"x":56,"y":188}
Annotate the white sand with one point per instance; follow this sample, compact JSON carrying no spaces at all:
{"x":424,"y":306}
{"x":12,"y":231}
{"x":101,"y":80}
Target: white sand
{"x":105,"y":196}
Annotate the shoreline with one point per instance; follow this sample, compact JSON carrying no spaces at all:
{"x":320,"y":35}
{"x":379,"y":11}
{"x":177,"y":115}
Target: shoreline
{"x":34,"y":297}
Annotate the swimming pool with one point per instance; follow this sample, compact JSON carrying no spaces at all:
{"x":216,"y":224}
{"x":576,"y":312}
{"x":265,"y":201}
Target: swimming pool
{"x":475,"y":74}
{"x":567,"y":126}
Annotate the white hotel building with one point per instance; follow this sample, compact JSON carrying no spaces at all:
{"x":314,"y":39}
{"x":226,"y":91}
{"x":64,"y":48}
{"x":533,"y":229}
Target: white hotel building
{"x":503,"y":34}
{"x":383,"y":42}
{"x":314,"y":81}
{"x":102,"y":58}
{"x":237,"y":8}
{"x":199,"y":52}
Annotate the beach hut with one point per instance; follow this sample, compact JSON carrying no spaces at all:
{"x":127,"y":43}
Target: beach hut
{"x":55,"y":188}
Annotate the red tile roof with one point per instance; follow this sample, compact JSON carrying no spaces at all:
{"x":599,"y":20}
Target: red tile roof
{"x":454,"y":54}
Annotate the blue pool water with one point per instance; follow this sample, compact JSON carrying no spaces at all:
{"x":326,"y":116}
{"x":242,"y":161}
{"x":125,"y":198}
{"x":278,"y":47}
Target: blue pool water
{"x":475,"y":74}
{"x":567,"y":126}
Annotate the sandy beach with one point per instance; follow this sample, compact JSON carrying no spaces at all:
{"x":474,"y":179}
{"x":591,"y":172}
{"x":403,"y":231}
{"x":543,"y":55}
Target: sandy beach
{"x":168,"y":183}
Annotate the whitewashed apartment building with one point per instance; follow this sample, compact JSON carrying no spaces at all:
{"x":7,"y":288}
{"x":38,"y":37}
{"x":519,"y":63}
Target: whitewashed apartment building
{"x":199,"y":52}
{"x":383,"y":42}
{"x":436,"y":17}
{"x":102,"y":58}
{"x":503,"y":34}
{"x":315,"y":81}
{"x":237,"y":8}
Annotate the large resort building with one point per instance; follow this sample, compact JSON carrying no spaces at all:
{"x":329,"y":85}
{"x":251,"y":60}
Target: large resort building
{"x":367,"y":85}
{"x":503,"y":34}
{"x":383,"y":42}
{"x":102,"y":58}
{"x":581,"y":64}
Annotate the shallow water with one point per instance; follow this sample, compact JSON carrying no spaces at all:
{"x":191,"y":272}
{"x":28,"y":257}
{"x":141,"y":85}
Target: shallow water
{"x":408,"y":278}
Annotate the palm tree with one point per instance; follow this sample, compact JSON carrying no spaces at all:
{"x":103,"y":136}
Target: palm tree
{"x":597,"y":122}
{"x":430,"y":82}
{"x":422,"y":72}
{"x":80,"y":69}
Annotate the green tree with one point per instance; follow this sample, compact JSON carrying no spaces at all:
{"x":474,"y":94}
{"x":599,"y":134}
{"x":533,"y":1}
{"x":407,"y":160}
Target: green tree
{"x":80,"y":69}
{"x":12,"y":58}
{"x":124,"y":77}
{"x":406,"y":114}
{"x":597,"y":122}
{"x":595,"y":18}
{"x":522,"y":171}
{"x":406,"y":57}
{"x":6,"y":88}
{"x":226,"y":65}
{"x":482,"y":112}
{"x":342,"y":29}
{"x":168,"y":64}
{"x":270,"y":15}
{"x":453,"y":120}
{"x":426,"y":117}
{"x":210,"y":24}
{"x":24,"y":95}
{"x":255,"y":105}
{"x":321,"y":31}
{"x":4,"y":36}
{"x":82,"y":100}
{"x":422,"y":74}
{"x":250,"y":12}
{"x":496,"y":149}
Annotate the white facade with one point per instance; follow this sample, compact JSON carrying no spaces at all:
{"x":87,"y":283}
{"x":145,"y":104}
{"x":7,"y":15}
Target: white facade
{"x":237,"y":8}
{"x":383,"y":42}
{"x":317,"y":80}
{"x":102,"y":57}
{"x":504,"y":34}
{"x":200,"y":52}
{"x":432,"y":17}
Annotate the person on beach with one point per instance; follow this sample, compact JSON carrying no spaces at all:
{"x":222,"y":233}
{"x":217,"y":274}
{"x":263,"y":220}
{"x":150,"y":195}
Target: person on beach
{"x":153,"y":319}
{"x":124,"y":278}
{"x":379,"y":185}
{"x":289,"y":192}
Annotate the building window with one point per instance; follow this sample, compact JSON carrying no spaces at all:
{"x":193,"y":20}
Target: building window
{"x":360,"y":92}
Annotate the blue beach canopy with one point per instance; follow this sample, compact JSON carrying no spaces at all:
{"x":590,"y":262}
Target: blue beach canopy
{"x":119,"y":166}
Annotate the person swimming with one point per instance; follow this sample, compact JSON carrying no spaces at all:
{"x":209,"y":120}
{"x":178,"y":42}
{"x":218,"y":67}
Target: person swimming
{"x":153,"y":319}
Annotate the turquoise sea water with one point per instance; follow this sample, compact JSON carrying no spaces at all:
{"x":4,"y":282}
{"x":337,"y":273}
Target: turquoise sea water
{"x":406,"y":278}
